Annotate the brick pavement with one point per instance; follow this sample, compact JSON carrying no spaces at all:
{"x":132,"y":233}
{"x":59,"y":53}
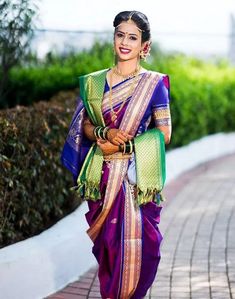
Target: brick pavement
{"x":198,"y":251}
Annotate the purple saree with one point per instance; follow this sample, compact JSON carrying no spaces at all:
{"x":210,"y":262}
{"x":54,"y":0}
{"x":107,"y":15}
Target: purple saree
{"x":125,"y":235}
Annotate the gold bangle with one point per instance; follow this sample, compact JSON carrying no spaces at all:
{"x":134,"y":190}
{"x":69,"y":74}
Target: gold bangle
{"x":124,"y":148}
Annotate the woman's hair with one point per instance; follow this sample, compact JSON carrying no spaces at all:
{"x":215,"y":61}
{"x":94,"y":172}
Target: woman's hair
{"x":140,"y":20}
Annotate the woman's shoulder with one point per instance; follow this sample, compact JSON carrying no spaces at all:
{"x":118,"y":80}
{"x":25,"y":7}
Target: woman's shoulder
{"x":162,"y":79}
{"x":156,"y":73}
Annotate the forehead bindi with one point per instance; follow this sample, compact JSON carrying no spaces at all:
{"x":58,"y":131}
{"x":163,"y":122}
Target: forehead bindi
{"x":128,"y":28}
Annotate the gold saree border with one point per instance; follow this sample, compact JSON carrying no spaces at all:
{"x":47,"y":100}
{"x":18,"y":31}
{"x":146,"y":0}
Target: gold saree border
{"x":131,"y":246}
{"x":117,"y":172}
{"x":119,"y":92}
{"x":139,"y":102}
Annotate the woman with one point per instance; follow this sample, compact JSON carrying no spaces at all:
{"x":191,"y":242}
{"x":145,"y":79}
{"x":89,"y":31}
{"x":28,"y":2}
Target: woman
{"x":115,"y":150}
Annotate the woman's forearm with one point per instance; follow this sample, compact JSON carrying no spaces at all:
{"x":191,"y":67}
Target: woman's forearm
{"x":166,"y":130}
{"x":89,"y":130}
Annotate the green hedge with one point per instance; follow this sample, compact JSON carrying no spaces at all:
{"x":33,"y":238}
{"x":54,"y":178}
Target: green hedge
{"x":203,"y":98}
{"x":34,"y":189}
{"x":40,"y":80}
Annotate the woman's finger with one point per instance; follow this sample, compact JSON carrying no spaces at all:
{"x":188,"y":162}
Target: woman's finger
{"x":126,"y":135}
{"x":122,"y":138}
{"x":117,"y":141}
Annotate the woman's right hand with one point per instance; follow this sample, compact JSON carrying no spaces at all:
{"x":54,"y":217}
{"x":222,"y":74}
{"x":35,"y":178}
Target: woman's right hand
{"x":117,"y":136}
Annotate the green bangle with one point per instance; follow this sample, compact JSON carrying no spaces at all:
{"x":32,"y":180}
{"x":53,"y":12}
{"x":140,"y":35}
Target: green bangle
{"x":105,"y":133}
{"x":99,"y":132}
{"x":95,"y":133}
{"x":129,"y":147}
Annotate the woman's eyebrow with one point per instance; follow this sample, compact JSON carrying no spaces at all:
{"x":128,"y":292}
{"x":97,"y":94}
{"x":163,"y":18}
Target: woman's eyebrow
{"x":127,"y":32}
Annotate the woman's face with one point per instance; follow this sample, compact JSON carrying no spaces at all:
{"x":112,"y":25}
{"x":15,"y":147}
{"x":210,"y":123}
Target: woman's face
{"x":127,"y":41}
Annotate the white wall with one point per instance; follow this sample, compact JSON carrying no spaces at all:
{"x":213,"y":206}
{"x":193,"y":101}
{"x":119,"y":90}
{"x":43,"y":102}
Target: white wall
{"x":40,"y":265}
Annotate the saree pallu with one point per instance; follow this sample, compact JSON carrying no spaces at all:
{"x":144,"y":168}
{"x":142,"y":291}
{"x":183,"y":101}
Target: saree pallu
{"x":124,"y":230}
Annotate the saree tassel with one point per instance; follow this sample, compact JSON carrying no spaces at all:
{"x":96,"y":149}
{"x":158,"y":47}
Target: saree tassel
{"x":88,"y":182}
{"x":92,"y":191}
{"x":79,"y":189}
{"x":144,"y":197}
{"x":151,"y":194}
{"x":87,"y":190}
{"x":159,"y":198}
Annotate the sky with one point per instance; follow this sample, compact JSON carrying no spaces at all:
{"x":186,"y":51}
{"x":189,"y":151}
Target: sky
{"x":199,"y":24}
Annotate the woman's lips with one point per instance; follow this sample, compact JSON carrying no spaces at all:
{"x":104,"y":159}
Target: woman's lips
{"x":124,"y":50}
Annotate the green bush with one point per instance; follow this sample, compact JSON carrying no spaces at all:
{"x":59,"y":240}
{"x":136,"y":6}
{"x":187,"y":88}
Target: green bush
{"x":34,"y":189}
{"x":41,"y":80}
{"x":202,"y":97}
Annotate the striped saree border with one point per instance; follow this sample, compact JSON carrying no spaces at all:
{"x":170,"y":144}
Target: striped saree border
{"x":119,"y":93}
{"x":139,"y":102}
{"x":131,"y":247}
{"x":117,"y":172}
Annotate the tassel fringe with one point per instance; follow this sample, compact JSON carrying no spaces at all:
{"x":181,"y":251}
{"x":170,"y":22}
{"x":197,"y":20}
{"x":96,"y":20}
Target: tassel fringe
{"x":88,"y":190}
{"x":152,"y":194}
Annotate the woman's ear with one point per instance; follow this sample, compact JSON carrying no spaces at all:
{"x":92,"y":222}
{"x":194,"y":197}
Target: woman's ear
{"x":146,"y":47}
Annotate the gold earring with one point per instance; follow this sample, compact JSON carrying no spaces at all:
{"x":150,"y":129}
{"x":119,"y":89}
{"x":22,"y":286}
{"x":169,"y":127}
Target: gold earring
{"x":114,"y":57}
{"x":142,"y":55}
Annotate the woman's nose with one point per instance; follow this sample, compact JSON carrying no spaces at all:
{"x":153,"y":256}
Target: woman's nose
{"x":125,"y":40}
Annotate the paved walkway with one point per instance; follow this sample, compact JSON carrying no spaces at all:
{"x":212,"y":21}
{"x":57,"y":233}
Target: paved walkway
{"x":198,"y":251}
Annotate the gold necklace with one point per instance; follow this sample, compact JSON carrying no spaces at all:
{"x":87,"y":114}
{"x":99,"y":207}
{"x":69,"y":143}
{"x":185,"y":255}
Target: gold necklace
{"x":128,"y":76}
{"x":115,"y":113}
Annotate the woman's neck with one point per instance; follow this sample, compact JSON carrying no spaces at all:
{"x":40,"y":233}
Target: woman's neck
{"x":127,"y":67}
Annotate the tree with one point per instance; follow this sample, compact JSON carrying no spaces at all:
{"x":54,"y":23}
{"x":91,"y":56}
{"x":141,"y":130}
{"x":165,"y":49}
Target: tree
{"x":16,"y":32}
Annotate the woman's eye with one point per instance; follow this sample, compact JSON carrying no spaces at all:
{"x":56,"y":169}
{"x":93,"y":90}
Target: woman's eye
{"x":133,"y":38}
{"x":119,"y":35}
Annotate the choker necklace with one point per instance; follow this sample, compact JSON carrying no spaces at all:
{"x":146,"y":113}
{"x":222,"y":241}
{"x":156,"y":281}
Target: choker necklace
{"x":128,"y":76}
{"x":114,"y":114}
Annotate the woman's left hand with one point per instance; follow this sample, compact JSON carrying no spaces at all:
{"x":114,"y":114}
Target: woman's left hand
{"x":107,"y":147}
